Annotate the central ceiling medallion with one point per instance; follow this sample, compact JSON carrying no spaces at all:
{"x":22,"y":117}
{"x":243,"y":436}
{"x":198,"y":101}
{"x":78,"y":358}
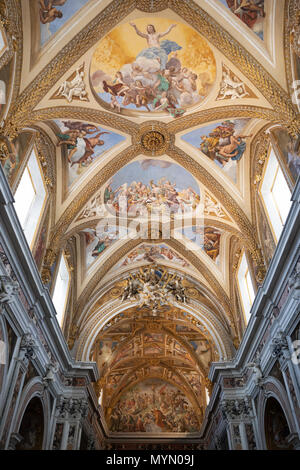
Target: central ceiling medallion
{"x":153,"y":142}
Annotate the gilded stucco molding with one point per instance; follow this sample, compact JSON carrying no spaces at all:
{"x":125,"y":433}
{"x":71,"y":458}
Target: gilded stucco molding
{"x":220,"y":335}
{"x":225,"y":112}
{"x":98,"y":180}
{"x":217,"y":189}
{"x":288,"y":15}
{"x":11,"y":21}
{"x":242,"y":59}
{"x":110,"y":17}
{"x":85,"y":114}
{"x":53,"y":71}
{"x":122,"y":251}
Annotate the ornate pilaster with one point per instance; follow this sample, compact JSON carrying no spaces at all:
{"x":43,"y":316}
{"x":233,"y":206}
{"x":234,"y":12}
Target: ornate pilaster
{"x":239,"y":416}
{"x":280,"y":349}
{"x":26,"y":353}
{"x":70,"y":413}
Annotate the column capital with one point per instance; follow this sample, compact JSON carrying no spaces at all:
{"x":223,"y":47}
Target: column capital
{"x":72,"y":408}
{"x":280,"y":347}
{"x":238,"y":409}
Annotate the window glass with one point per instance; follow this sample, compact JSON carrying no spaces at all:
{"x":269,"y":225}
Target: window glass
{"x":61,"y":289}
{"x":246,"y":287}
{"x":275,"y":194}
{"x":30,"y":198}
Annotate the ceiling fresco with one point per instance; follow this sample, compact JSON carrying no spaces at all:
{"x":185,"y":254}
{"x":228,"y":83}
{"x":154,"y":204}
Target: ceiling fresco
{"x":153,"y":253}
{"x":251,"y":12}
{"x":154,"y":406}
{"x":82,"y":144}
{"x":204,"y":238}
{"x":159,"y":185}
{"x":142,"y":112}
{"x":153,"y":65}
{"x":54,"y":14}
{"x":97,"y":240}
{"x":224,"y":143}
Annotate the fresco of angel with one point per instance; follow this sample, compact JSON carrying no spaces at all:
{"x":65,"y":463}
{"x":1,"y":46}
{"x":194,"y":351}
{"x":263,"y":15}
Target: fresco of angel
{"x":79,"y":142}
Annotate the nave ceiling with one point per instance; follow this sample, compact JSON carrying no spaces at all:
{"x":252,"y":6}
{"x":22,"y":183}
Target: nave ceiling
{"x":164,"y":104}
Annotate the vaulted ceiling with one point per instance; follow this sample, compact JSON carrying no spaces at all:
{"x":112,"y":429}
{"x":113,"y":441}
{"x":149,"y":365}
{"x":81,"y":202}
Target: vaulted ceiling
{"x":160,"y":103}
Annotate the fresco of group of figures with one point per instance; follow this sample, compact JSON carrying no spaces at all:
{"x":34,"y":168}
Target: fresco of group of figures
{"x":83,"y":144}
{"x":153,"y":406}
{"x":54,"y":14}
{"x":153,"y":65}
{"x":151,"y":254}
{"x":207,"y":239}
{"x":157,"y":185}
{"x":224,"y":143}
{"x":99,"y":238}
{"x":251,"y":12}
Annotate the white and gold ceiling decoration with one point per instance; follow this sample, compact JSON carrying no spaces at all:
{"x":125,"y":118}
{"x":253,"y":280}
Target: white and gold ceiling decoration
{"x":143,"y":110}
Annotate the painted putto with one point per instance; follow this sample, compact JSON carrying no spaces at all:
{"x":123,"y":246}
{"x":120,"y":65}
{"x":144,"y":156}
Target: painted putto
{"x":160,"y":66}
{"x":154,"y":406}
{"x":152,"y":185}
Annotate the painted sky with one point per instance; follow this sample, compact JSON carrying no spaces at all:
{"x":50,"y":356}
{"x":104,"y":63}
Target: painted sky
{"x":146,"y":170}
{"x":68,"y":10}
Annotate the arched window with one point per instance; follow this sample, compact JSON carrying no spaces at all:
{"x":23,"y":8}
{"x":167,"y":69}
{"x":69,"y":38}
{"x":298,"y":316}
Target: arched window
{"x":30,"y":198}
{"x":61,"y":289}
{"x":246,"y":287}
{"x":275,"y":194}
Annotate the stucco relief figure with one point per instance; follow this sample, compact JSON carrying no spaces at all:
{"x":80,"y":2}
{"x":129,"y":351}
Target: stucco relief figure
{"x":48,"y":12}
{"x":231,"y":87}
{"x":212,"y":207}
{"x":74,"y":88}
